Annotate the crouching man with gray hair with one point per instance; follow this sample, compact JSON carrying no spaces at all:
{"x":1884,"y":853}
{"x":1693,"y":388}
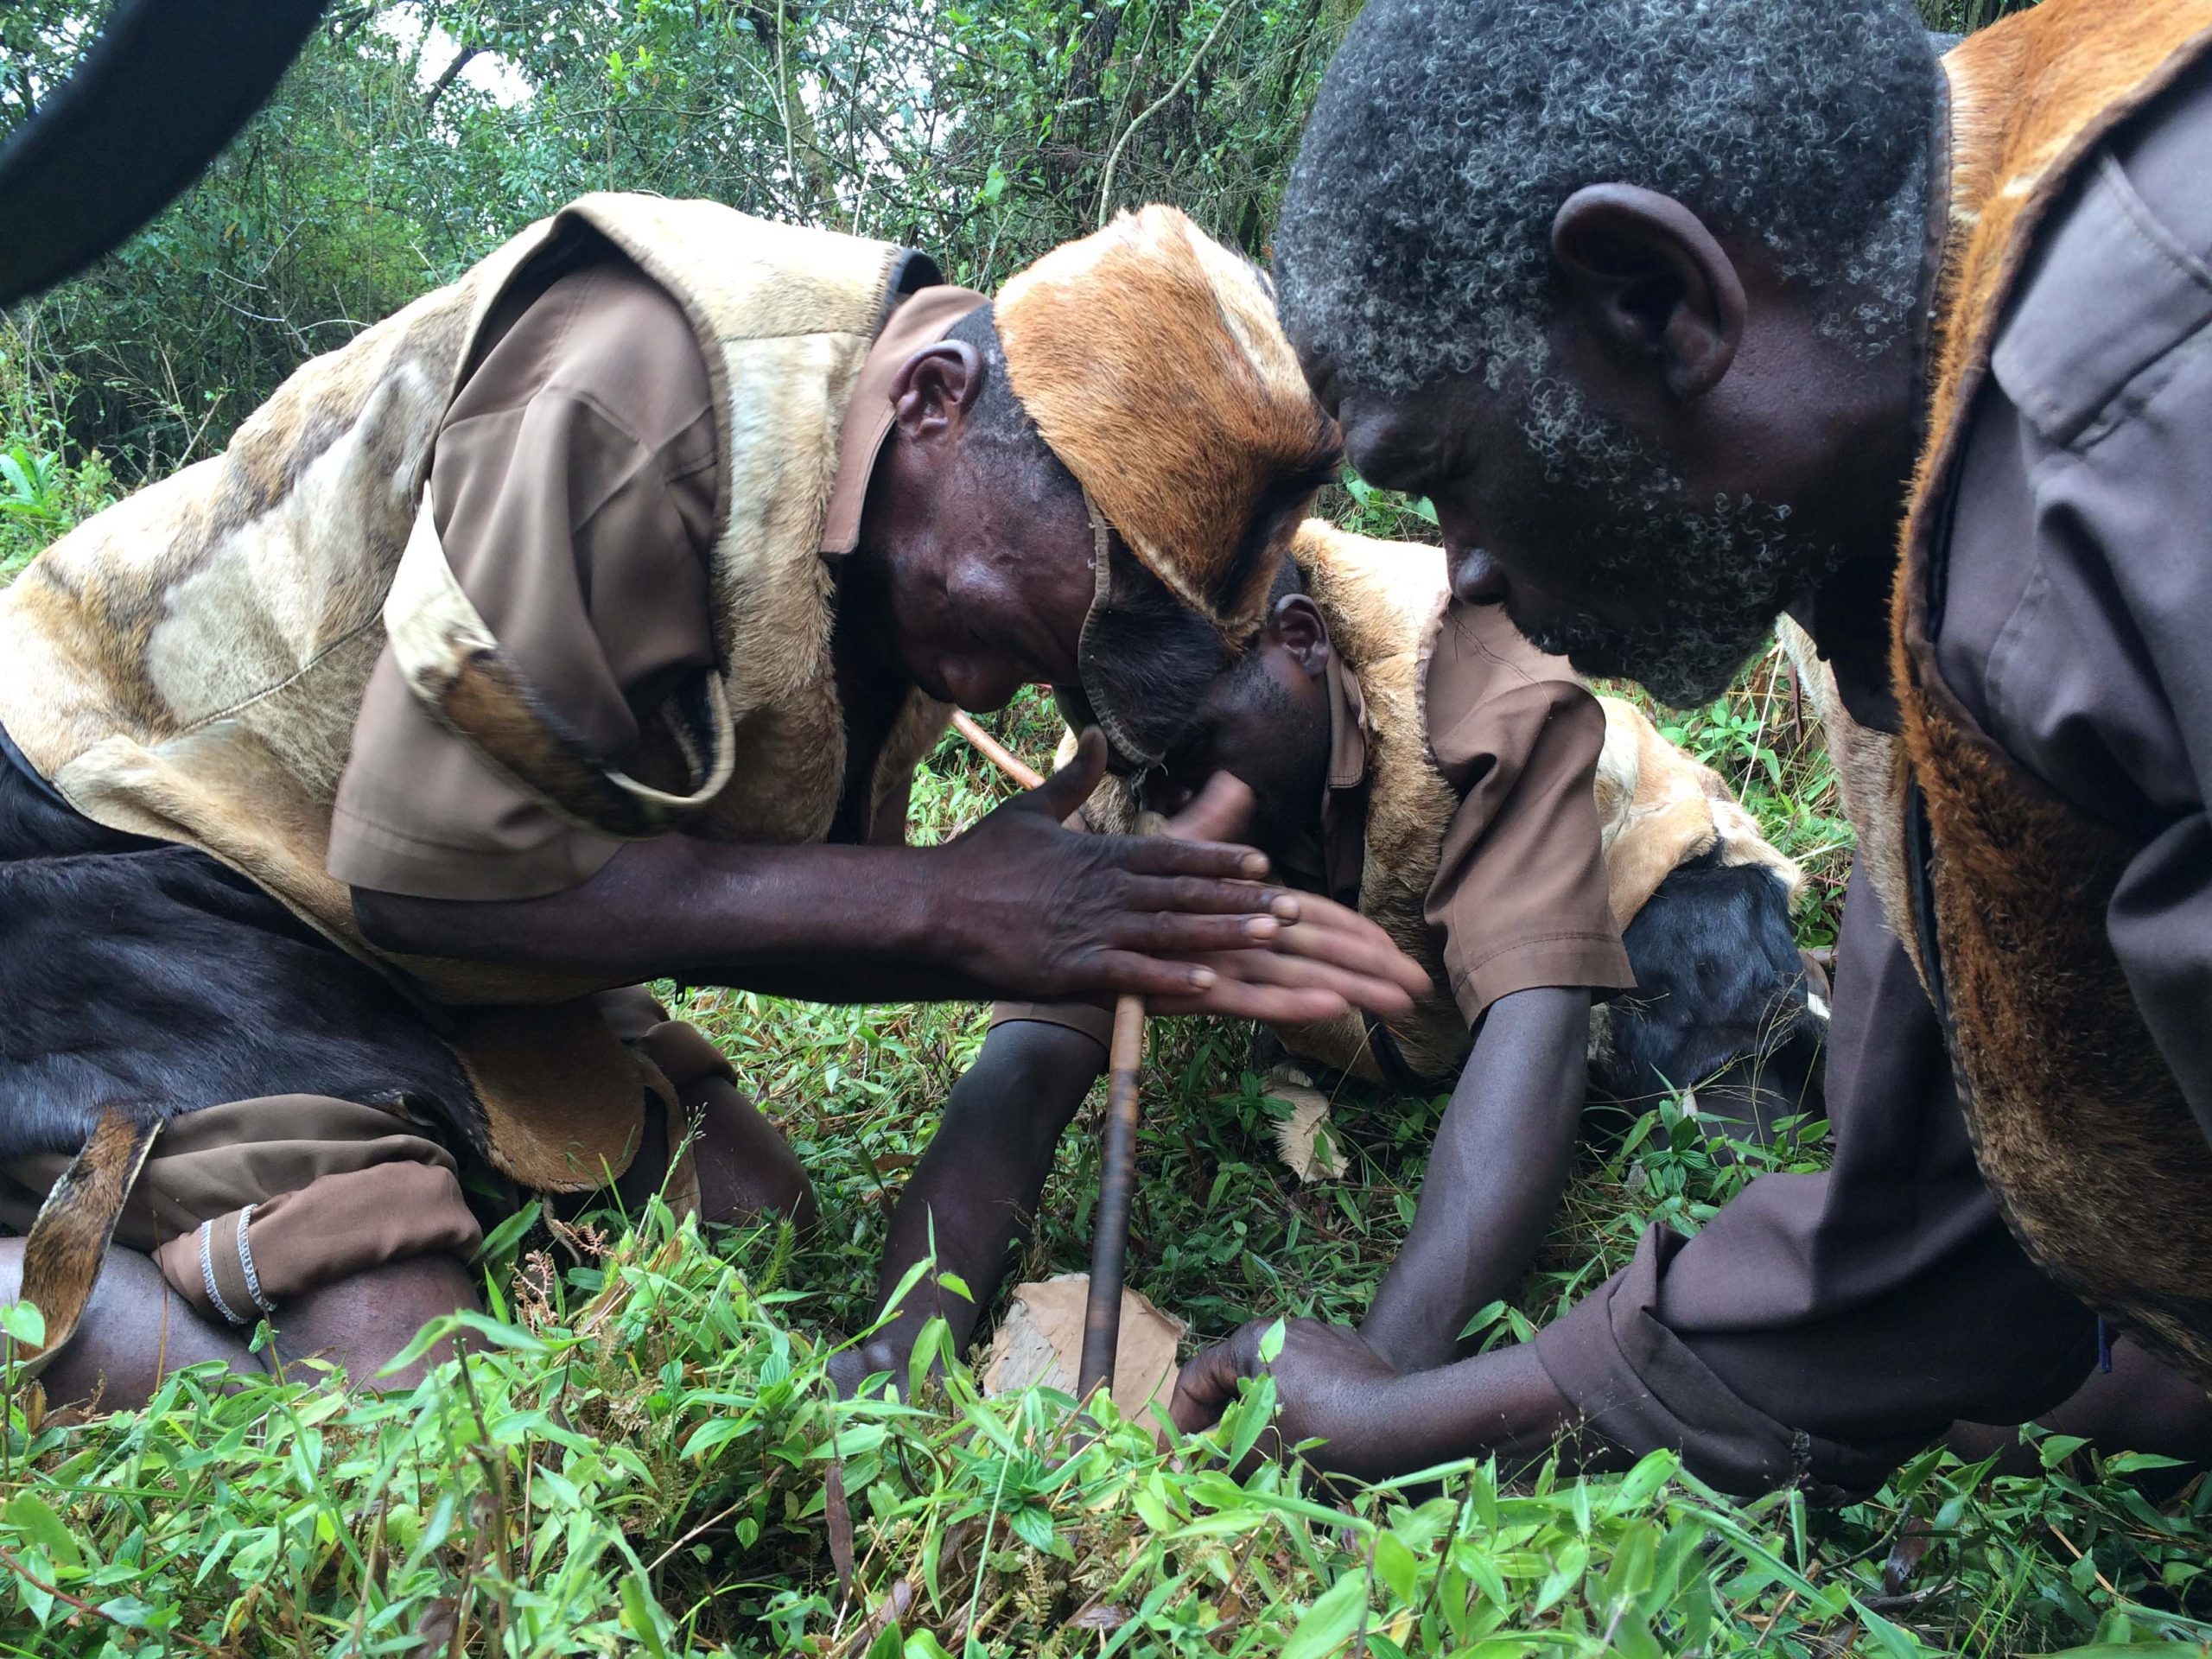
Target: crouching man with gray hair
{"x":583,"y":624}
{"x":1687,"y":312}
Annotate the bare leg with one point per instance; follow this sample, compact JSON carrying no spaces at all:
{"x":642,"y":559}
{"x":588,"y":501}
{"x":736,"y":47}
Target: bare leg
{"x":358,"y":1322}
{"x":976,"y":1187}
{"x":2140,"y":1405}
{"x":135,"y":1332}
{"x":747,"y":1171}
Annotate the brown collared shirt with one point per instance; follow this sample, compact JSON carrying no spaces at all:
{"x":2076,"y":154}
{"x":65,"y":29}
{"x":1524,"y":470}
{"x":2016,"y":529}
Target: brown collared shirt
{"x":573,"y":486}
{"x":1519,"y":893}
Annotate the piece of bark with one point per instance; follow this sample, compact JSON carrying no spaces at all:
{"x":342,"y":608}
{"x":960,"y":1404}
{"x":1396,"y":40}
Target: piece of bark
{"x":1041,"y":1342}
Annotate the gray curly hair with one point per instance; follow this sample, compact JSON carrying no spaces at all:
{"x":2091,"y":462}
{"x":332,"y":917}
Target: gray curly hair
{"x":1415,"y":239}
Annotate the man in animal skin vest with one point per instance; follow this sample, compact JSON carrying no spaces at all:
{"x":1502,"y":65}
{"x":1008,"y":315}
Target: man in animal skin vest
{"x":579,"y":625}
{"x":1415,"y":757}
{"x":1753,"y":308}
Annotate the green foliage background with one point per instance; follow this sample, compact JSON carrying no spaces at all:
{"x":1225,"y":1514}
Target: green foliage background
{"x":644,"y":1453}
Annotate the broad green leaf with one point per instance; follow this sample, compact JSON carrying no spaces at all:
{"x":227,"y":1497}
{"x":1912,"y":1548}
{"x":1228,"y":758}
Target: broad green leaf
{"x":1396,"y":1566}
{"x":1330,"y":1622}
{"x":29,"y":1514}
{"x":24,"y":1322}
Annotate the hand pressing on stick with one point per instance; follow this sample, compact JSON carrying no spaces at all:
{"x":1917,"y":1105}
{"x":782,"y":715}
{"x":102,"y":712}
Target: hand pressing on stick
{"x":1319,"y":963}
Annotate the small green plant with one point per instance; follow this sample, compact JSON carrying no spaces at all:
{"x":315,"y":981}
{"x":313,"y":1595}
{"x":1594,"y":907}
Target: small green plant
{"x":46,"y":488}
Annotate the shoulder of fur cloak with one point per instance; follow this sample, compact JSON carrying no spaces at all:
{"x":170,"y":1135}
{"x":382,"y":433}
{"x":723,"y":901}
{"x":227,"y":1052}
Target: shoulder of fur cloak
{"x":1381,"y":599}
{"x":1659,"y":806}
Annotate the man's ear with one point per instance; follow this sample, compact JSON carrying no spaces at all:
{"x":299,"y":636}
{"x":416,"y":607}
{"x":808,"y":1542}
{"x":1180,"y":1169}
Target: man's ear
{"x":934,"y":389}
{"x":1647,"y":279}
{"x":1295,"y":624}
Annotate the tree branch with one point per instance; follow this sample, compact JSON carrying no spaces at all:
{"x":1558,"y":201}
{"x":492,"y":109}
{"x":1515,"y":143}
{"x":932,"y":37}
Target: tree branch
{"x":1113,"y":157}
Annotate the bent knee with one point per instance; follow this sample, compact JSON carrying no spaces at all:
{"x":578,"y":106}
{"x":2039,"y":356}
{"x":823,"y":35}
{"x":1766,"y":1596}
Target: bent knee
{"x":747,"y":1171}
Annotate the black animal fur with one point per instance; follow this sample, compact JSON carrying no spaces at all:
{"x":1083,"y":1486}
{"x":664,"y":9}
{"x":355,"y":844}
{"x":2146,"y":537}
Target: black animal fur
{"x":147,"y":974}
{"x":1721,"y":1004}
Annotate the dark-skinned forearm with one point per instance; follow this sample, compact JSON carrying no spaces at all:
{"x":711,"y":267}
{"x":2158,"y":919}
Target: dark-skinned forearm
{"x":978,"y":1185}
{"x":1494,"y":1175}
{"x":687,"y":908}
{"x":1503,"y":1404}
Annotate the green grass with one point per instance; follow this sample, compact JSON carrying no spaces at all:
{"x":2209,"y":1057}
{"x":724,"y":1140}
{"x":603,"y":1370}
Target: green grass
{"x":645,"y":1454}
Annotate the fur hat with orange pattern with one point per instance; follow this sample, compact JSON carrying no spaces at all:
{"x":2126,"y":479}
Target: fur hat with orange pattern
{"x":1150,"y":359}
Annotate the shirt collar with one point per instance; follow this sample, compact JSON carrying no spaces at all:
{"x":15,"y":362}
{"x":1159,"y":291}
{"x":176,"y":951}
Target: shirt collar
{"x":922,"y":320}
{"x":1347,"y":727}
{"x":1344,"y":803}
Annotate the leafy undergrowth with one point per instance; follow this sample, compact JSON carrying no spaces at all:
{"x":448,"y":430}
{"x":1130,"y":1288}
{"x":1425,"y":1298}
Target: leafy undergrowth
{"x":647,"y":1455}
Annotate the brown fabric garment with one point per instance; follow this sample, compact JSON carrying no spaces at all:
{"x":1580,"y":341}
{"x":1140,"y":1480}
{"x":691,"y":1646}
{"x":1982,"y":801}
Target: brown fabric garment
{"x":327,"y":1187}
{"x":1093,"y":1021}
{"x":2080,"y":1119}
{"x":2086,"y":667}
{"x":1821,"y":1327}
{"x":573,"y":486}
{"x":1520,"y":890}
{"x":339,"y":1186}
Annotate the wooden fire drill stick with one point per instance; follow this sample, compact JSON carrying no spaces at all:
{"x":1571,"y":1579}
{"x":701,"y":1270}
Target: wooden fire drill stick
{"x":1109,"y":1234}
{"x":1110,"y":1228}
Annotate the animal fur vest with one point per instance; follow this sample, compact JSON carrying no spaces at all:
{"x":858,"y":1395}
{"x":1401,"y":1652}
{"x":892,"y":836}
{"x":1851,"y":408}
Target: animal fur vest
{"x":188,"y":665}
{"x":1999,"y":888}
{"x":1381,"y":601}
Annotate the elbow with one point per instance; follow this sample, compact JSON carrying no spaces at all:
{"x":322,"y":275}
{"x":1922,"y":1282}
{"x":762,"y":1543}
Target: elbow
{"x":406,"y":926}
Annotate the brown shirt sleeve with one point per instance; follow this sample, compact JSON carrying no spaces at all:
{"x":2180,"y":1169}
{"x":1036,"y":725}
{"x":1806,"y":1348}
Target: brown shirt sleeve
{"x":1519,"y":889}
{"x":573,"y":486}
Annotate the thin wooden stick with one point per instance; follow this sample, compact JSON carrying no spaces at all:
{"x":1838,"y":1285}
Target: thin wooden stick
{"x":1110,"y":1233}
{"x":995,"y":752}
{"x":1110,"y":1236}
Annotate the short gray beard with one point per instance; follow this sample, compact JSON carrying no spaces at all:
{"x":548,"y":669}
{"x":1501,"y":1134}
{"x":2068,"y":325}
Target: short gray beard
{"x":1728,"y":568}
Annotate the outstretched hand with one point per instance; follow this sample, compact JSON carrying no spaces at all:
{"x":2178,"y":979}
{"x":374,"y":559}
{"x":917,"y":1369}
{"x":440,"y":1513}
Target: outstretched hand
{"x":1327,"y":958}
{"x":1036,"y":910}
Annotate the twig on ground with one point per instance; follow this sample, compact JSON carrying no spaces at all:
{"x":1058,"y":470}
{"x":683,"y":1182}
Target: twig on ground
{"x":8,"y":1560}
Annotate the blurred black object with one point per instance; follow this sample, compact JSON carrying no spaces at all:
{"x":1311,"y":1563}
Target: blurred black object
{"x":156,"y":98}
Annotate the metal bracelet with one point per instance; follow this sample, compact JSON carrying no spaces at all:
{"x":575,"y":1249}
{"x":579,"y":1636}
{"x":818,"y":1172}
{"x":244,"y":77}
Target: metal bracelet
{"x":207,"y":1276}
{"x":246,"y":1261}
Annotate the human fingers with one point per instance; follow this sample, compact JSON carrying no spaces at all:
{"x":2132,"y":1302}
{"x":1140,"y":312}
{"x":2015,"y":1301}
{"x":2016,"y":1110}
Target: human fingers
{"x":1218,"y":812}
{"x":1329,"y":933}
{"x":1166,"y":856}
{"x":1231,"y":998}
{"x":1204,"y":1387}
{"x":1172,"y":933}
{"x":1293,"y":988}
{"x":1160,"y":979}
{"x":1209,"y":895}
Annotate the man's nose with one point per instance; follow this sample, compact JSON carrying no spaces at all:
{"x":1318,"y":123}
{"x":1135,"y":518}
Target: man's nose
{"x":1476,"y":578}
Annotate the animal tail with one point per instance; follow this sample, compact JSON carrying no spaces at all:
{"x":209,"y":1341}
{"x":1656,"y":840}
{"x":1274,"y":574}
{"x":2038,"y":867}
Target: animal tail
{"x":69,"y":1239}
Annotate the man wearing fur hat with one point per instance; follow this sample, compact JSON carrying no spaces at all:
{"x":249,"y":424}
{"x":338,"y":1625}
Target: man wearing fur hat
{"x":1684,"y":313}
{"x":1416,"y":758}
{"x":581,"y":624}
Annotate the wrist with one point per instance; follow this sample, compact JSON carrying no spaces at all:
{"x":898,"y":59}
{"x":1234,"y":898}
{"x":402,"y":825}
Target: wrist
{"x":914,"y":924}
